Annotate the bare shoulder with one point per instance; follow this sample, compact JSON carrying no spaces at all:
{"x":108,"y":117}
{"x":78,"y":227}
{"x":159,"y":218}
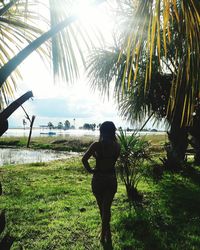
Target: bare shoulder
{"x":90,"y":151}
{"x":94,"y":146}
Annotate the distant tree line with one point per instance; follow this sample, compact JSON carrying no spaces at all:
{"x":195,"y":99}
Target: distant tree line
{"x":67,"y":125}
{"x":88,"y":126}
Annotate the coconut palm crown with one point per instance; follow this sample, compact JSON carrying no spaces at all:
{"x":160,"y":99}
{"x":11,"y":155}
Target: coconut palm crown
{"x":158,"y":36}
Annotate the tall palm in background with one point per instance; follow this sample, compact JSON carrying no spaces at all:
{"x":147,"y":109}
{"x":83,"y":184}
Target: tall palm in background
{"x":166,"y":33}
{"x":156,"y":26}
{"x":151,"y":73}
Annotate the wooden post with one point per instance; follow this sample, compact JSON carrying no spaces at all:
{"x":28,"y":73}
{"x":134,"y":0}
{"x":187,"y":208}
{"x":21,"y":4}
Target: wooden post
{"x":30,"y":132}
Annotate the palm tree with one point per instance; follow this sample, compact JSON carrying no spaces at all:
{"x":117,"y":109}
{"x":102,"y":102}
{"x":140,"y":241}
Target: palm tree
{"x":67,"y":124}
{"x":18,"y":20}
{"x":140,"y":93}
{"x":17,"y":29}
{"x":164,"y":32}
{"x":60,"y":125}
{"x":157,"y":24}
{"x":50,"y":125}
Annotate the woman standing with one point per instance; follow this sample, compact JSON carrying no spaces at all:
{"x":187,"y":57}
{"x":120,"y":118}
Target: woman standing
{"x":104,"y":181}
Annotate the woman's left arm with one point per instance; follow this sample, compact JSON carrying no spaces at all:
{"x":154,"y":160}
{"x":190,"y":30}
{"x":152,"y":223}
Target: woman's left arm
{"x":90,"y":152}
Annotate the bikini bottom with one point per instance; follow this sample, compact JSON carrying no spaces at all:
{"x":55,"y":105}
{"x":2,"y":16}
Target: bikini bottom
{"x":103,"y":183}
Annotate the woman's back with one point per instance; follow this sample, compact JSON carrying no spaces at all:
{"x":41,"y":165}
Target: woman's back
{"x":106,"y":154}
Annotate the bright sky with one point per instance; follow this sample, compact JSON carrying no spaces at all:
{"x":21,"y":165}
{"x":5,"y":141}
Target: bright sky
{"x":55,"y":103}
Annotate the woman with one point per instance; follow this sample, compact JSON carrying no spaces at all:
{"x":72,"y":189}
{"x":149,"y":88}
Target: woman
{"x":104,"y":181}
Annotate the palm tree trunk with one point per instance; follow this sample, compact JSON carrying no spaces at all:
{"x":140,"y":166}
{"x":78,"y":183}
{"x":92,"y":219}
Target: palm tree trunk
{"x":178,"y":138}
{"x":10,"y":109}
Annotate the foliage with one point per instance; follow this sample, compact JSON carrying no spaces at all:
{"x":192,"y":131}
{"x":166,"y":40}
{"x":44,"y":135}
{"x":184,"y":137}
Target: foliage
{"x":60,"y":125}
{"x":74,"y":144}
{"x":19,"y":26}
{"x":50,"y":125}
{"x":156,"y":56}
{"x":67,"y":125}
{"x":155,"y":27}
{"x":150,"y":70}
{"x":21,"y":36}
{"x":89,"y":126}
{"x":134,"y":153}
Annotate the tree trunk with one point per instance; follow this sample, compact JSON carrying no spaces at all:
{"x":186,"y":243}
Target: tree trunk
{"x":178,"y":143}
{"x":10,"y":109}
{"x":30,"y":132}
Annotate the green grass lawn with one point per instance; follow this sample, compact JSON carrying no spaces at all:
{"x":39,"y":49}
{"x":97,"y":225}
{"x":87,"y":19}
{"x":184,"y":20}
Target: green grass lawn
{"x":50,"y":206}
{"x":67,"y":143}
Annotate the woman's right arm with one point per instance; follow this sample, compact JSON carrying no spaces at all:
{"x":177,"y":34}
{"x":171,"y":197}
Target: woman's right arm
{"x":90,"y":152}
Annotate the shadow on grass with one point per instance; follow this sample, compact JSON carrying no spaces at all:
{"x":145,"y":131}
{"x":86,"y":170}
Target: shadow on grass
{"x":169,"y":221}
{"x":193,"y":173}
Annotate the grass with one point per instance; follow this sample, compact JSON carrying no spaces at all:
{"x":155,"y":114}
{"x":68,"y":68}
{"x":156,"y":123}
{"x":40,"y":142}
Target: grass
{"x":50,"y":206}
{"x":70,"y":143}
{"x":67,"y":143}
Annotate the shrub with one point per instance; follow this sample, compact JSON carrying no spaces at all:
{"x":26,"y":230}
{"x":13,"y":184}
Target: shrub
{"x":131,"y":168}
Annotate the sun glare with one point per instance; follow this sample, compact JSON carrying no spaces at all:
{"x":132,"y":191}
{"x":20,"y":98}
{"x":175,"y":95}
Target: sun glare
{"x":83,"y":9}
{"x":92,"y":14}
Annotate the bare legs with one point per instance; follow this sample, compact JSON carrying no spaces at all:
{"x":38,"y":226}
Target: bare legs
{"x":104,"y":202}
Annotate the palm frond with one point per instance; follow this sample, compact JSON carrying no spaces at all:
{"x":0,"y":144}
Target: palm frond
{"x":17,"y":28}
{"x":161,"y":23}
{"x":104,"y":67}
{"x":23,"y":18}
{"x":70,"y":46}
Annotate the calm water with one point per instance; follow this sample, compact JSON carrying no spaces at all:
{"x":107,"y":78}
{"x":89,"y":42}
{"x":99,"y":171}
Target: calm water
{"x":45,"y":132}
{"x":70,"y":132}
{"x":17,"y":156}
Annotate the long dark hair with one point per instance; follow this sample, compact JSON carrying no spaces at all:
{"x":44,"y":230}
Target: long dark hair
{"x":107,"y":132}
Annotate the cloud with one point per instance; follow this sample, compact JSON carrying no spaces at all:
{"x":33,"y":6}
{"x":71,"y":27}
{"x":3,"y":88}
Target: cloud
{"x":54,"y":107}
{"x":82,"y":108}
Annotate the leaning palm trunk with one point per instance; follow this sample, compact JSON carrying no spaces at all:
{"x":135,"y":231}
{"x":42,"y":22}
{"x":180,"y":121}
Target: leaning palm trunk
{"x":7,"y":112}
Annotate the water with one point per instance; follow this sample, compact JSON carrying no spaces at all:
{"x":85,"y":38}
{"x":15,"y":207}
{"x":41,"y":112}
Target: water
{"x":20,"y":156}
{"x":45,"y":132}
{"x":59,"y":132}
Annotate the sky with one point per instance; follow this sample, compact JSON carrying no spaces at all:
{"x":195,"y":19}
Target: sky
{"x":60,"y":102}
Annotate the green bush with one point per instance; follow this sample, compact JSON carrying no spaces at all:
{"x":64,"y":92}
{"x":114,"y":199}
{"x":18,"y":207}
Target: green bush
{"x":131,"y":167}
